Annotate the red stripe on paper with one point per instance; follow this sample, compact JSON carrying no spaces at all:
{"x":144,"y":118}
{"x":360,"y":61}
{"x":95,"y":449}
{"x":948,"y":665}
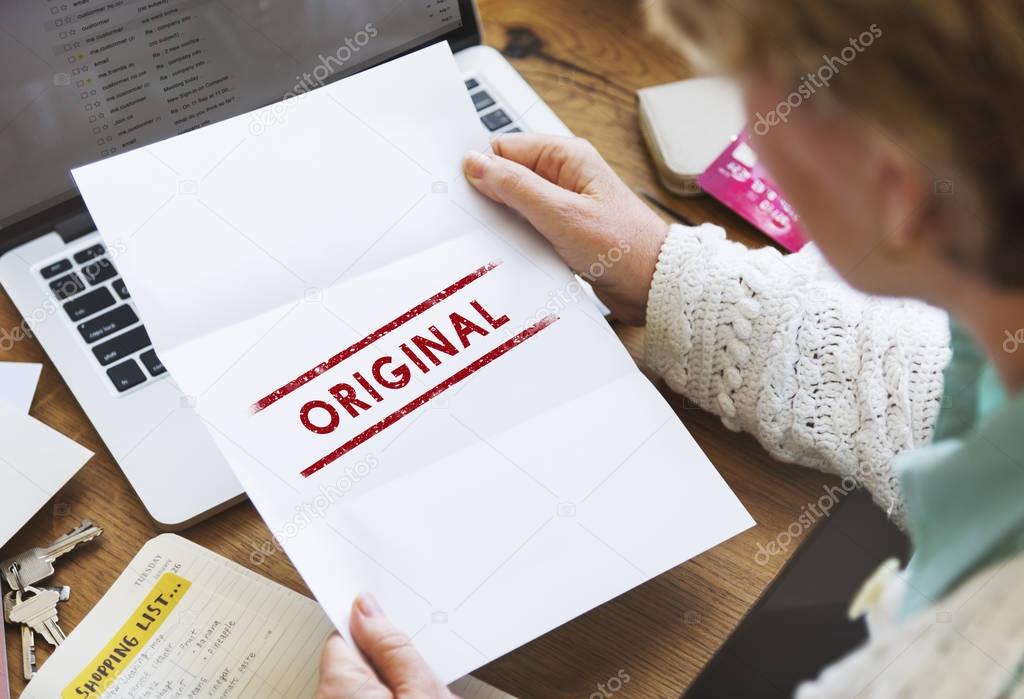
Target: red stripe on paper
{"x":380,"y":332}
{"x":421,"y":400}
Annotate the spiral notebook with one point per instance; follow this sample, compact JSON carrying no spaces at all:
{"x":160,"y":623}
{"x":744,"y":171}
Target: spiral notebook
{"x":183,"y":621}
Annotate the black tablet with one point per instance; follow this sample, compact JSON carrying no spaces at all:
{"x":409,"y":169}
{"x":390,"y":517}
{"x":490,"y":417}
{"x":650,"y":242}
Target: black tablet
{"x":800,"y":624}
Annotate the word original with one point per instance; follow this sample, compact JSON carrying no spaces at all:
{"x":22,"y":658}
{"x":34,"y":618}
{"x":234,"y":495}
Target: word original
{"x":391,"y":372}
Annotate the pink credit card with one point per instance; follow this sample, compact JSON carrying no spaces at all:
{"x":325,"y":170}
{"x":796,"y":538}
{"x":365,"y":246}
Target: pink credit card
{"x":739,"y":181}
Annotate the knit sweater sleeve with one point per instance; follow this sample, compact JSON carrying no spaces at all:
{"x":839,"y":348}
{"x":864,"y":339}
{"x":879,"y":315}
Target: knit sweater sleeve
{"x":779,"y":347}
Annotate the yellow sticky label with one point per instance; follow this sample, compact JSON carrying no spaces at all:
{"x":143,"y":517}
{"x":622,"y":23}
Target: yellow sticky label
{"x":130,"y":639}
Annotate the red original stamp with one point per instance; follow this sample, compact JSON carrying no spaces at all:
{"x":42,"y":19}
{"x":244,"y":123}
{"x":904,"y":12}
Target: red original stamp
{"x":361,"y":393}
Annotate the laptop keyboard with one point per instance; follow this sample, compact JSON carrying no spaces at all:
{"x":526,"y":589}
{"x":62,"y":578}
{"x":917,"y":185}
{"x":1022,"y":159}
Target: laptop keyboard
{"x":96,"y":300}
{"x":491,"y":113}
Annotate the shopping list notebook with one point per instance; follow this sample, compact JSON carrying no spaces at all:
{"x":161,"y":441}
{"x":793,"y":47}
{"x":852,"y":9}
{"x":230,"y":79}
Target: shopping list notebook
{"x":182,"y":621}
{"x":412,"y":387}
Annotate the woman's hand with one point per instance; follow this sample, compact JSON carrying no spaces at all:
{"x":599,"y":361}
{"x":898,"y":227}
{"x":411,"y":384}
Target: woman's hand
{"x":602,"y":230}
{"x":392,"y":668}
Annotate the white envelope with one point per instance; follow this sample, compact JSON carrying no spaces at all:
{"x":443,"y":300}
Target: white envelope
{"x":18,"y":381}
{"x":491,"y":485}
{"x":35,"y":462}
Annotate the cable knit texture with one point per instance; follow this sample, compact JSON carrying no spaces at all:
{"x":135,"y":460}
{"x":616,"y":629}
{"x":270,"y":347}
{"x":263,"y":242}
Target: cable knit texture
{"x":779,"y":347}
{"x":828,"y":378}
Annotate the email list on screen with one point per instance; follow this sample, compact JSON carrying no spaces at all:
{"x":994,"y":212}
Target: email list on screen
{"x":109,"y":77}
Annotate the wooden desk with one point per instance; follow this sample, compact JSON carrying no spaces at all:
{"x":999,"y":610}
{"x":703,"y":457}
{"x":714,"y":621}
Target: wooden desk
{"x":587,"y":60}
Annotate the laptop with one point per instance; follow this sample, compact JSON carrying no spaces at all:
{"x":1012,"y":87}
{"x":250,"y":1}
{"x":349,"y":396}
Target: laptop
{"x":94,"y":78}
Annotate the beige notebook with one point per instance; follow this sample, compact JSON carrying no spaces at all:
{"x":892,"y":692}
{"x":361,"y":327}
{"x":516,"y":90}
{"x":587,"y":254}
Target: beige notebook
{"x":182,"y":621}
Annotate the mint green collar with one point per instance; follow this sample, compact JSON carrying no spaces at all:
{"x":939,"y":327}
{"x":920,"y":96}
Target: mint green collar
{"x":964,"y":493}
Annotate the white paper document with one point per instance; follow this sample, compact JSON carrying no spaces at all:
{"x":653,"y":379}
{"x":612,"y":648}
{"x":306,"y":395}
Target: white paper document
{"x":18,"y":381}
{"x":35,"y":462}
{"x":414,"y":390}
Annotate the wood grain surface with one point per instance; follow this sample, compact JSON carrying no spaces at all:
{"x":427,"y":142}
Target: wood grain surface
{"x":587,"y":60}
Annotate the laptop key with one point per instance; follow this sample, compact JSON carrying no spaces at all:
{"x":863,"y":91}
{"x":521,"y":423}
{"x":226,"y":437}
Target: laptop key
{"x":53,"y":269}
{"x":121,"y":289}
{"x":107,"y":324}
{"x":153,"y":364}
{"x":472,"y":84}
{"x":87,"y":304}
{"x":482,"y":100}
{"x":99,"y":271}
{"x":67,"y":286}
{"x":126,"y":375}
{"x":496,"y":120}
{"x":83,"y":256}
{"x":122,"y":345}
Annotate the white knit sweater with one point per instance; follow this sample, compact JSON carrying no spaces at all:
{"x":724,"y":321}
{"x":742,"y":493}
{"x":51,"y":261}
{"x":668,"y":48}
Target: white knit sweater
{"x":828,"y":378}
{"x":779,"y":347}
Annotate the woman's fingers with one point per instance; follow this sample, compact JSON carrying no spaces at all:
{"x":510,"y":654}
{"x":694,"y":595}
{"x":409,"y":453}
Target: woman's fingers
{"x":568,"y":193}
{"x":392,"y":668}
{"x":398,"y":664}
{"x":526,"y":149}
{"x":344,"y":673}
{"x":549,"y":208}
{"x":566,"y":161}
{"x":513,"y":184}
{"x":541,"y":177}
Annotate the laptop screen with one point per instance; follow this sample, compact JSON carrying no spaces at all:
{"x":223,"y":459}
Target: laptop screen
{"x":86,"y":79}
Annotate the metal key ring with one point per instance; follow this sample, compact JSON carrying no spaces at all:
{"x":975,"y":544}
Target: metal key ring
{"x":16,"y":570}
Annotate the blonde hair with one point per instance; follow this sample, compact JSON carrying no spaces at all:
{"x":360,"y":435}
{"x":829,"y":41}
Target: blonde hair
{"x":945,"y":78}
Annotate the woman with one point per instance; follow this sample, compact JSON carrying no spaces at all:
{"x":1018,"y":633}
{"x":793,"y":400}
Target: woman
{"x":905,"y":161}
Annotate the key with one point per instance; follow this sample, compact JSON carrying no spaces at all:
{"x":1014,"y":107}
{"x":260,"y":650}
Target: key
{"x":28,"y":636}
{"x":482,"y":100}
{"x":63,"y":591}
{"x":98,"y":271}
{"x":107,"y":324}
{"x":10,"y":600}
{"x":83,"y":256}
{"x":54,"y":268}
{"x":13,"y":598}
{"x":67,"y":286}
{"x":153,"y":363}
{"x":126,"y":343}
{"x":126,"y":375}
{"x":87,"y":304}
{"x":36,"y":564}
{"x":496,"y":120}
{"x":121,"y":289}
{"x":40,"y":612}
{"x":28,"y":652}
